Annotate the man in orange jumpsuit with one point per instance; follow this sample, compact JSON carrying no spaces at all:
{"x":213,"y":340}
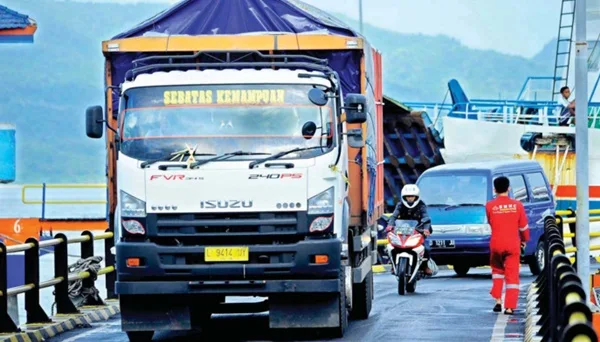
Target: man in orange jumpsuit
{"x":510,"y":232}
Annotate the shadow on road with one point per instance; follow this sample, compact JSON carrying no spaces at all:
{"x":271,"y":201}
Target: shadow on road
{"x":243,"y":328}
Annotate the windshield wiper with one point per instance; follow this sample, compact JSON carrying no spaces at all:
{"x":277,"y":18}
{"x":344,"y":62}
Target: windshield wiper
{"x":171,"y":156}
{"x":464,"y":205}
{"x":225,"y":156}
{"x":281,"y":154}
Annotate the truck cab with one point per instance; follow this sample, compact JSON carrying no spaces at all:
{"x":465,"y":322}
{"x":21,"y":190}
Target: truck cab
{"x":233,"y":182}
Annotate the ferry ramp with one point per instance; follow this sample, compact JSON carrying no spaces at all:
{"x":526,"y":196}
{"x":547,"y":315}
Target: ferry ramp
{"x":444,"y":307}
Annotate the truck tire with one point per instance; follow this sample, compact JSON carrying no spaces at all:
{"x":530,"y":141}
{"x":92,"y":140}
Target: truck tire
{"x":140,"y":336}
{"x":362,"y":298}
{"x":342,"y":308}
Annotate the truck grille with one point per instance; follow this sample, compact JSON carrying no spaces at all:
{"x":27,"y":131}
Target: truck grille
{"x":261,"y":227}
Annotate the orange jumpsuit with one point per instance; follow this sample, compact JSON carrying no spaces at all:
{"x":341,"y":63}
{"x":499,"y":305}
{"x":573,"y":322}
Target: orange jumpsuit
{"x":509,"y":225}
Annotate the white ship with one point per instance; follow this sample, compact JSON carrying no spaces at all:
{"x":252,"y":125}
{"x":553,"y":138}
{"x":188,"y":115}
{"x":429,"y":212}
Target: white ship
{"x":528,"y":127}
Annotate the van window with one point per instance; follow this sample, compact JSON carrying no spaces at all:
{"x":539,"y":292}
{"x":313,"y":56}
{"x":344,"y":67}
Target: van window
{"x":454,"y":189}
{"x":519,"y":190}
{"x":538,"y":187}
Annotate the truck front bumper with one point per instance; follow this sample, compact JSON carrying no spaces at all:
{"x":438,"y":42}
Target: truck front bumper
{"x":182,"y":269}
{"x":233,"y":288}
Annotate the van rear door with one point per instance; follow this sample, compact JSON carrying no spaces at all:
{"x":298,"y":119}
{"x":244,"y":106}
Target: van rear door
{"x":540,"y":205}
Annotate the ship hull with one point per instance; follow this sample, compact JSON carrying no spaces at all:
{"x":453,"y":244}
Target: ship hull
{"x":478,"y":140}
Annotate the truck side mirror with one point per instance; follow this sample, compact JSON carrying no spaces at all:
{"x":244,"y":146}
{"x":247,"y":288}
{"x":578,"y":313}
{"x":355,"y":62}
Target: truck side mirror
{"x":317,"y":97}
{"x":355,"y":106}
{"x":94,"y":120}
{"x":309,"y":129}
{"x":355,"y":138}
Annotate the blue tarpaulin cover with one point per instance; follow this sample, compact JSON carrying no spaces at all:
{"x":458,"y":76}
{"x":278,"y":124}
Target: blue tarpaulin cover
{"x":243,"y":17}
{"x":233,"y":17}
{"x":10,"y":19}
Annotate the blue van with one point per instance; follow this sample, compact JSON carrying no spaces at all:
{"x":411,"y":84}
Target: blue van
{"x":456,"y":195}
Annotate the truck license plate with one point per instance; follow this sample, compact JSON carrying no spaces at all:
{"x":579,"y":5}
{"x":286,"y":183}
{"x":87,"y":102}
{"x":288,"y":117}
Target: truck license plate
{"x":442,"y":244}
{"x":212,"y":254}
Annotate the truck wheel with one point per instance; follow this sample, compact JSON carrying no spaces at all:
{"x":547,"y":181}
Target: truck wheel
{"x":140,"y":336}
{"x":402,"y":276}
{"x":362,"y":298}
{"x":536,"y":262}
{"x":342,"y":308}
{"x":461,"y":269}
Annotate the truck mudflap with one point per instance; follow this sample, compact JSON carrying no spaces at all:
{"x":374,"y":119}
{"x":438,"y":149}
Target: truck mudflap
{"x":360,"y":273}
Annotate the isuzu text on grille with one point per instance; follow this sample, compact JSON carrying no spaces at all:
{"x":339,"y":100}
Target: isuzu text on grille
{"x":211,"y":204}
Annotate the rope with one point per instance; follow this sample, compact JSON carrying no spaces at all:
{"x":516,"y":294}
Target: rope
{"x":77,"y":293}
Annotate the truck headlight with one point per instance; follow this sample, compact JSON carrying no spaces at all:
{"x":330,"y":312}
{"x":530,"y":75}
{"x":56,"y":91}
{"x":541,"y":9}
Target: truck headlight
{"x":480,"y":229}
{"x":131,"y":206}
{"x":321,"y":203}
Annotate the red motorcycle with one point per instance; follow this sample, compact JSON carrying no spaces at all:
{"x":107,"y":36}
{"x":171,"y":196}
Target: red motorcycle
{"x":406,"y":251}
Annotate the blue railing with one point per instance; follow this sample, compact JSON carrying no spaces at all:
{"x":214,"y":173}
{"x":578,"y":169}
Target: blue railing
{"x":537,"y":78}
{"x":508,"y":111}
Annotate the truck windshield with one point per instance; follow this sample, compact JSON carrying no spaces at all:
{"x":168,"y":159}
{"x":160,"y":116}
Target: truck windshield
{"x":156,"y":121}
{"x":454,"y":190}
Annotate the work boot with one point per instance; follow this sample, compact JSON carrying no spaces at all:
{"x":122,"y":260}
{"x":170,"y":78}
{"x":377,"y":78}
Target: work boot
{"x":428,"y":271}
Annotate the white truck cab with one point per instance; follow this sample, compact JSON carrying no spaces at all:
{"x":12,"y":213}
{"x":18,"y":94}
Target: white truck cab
{"x":233,"y":182}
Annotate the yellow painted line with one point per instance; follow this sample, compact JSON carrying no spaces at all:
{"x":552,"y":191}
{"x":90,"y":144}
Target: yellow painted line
{"x":379,"y":269}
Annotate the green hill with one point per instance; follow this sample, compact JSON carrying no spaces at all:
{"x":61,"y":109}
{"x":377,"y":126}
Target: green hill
{"x":49,"y":84}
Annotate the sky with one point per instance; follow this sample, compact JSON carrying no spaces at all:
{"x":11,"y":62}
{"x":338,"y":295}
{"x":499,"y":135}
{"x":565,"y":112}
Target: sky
{"x":514,"y":27}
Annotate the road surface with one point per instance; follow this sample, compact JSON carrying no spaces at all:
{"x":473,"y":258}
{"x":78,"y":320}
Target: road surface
{"x":443,"y":308}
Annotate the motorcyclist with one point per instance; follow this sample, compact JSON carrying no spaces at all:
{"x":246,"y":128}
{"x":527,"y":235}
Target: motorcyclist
{"x":412,"y":208}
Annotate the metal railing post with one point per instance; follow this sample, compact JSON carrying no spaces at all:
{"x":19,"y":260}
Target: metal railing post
{"x":64,"y":305}
{"x":572,"y":230}
{"x":87,"y":251}
{"x":110,"y":261}
{"x":7,"y":325}
{"x":35,"y":313}
{"x":43,"y":201}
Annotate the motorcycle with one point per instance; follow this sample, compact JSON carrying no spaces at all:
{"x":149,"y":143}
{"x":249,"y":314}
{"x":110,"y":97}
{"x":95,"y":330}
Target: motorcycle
{"x":406,"y":251}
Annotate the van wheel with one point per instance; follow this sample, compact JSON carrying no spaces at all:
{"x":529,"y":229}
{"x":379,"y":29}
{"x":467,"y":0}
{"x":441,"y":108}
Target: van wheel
{"x":461,"y":269}
{"x":536,"y":262}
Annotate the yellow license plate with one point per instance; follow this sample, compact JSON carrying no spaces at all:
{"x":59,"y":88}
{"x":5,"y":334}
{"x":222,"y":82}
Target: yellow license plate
{"x":212,"y":254}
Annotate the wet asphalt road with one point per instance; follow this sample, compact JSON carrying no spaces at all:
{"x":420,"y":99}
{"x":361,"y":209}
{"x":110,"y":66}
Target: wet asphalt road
{"x":443,"y":308}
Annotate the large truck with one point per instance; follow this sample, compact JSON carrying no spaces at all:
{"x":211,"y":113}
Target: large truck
{"x":244,"y":158}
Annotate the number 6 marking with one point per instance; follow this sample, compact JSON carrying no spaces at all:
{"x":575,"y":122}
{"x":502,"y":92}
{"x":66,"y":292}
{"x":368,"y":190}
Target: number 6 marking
{"x":17,"y":227}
